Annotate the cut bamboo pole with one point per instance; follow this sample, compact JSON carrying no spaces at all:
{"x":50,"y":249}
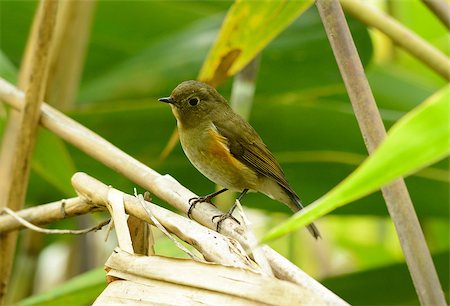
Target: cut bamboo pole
{"x":24,"y":136}
{"x":396,"y":195}
{"x":400,"y":35}
{"x":165,"y":187}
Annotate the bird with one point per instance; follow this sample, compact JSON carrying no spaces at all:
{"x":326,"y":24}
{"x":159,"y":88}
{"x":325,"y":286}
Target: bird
{"x":226,"y":149}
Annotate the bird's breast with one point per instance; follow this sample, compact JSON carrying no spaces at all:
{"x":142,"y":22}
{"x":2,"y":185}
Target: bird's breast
{"x":208,"y":152}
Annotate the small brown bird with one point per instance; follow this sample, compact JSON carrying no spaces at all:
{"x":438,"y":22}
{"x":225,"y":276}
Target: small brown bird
{"x":226,"y":149}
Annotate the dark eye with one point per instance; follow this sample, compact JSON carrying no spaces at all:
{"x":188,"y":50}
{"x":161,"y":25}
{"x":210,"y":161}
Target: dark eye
{"x":193,"y":101}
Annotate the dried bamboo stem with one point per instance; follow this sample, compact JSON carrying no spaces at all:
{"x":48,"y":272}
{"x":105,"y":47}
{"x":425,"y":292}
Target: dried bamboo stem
{"x":48,"y":213}
{"x":71,"y":38}
{"x":441,"y":9}
{"x":396,"y":194}
{"x":25,"y":136}
{"x":401,"y":35}
{"x":165,"y":187}
{"x":217,"y":249}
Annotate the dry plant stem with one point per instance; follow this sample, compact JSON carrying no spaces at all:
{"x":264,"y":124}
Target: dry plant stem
{"x":251,"y":288}
{"x":212,"y":245}
{"x":396,"y":195}
{"x":71,"y":38}
{"x":163,"y":229}
{"x":116,"y":208}
{"x":38,"y":229}
{"x":48,"y":213}
{"x":441,"y":8}
{"x":258,"y":254}
{"x":24,"y":138}
{"x":401,"y":35}
{"x":165,"y":187}
{"x":244,"y":85}
{"x":141,"y":236}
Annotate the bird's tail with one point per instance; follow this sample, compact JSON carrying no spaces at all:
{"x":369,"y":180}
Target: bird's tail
{"x":311,"y":227}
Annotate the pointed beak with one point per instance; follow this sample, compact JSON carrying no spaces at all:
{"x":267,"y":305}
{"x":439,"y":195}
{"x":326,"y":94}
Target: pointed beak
{"x":167,"y":100}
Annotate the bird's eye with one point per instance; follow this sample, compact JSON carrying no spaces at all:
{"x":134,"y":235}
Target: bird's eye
{"x":193,"y":101}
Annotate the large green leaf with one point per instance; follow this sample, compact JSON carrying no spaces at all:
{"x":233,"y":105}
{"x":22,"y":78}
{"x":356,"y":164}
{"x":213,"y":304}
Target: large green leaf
{"x":80,"y":290}
{"x":248,"y":27}
{"x":418,"y":139}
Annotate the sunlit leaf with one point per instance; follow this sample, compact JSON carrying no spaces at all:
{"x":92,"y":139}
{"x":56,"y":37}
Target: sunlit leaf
{"x":247,"y":29}
{"x":420,"y":138}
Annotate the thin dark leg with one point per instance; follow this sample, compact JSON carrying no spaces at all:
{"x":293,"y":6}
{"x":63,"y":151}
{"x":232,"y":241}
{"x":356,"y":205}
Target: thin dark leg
{"x":229,"y":214}
{"x":206,"y":198}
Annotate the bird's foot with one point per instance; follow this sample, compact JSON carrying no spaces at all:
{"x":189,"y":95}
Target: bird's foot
{"x":223,"y":217}
{"x":195,"y":200}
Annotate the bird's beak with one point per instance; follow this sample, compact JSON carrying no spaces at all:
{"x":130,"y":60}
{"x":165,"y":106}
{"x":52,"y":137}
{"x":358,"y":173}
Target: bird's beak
{"x":167,"y":100}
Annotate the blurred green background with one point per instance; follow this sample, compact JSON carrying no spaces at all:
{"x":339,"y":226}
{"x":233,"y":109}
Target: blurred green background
{"x":140,"y":50}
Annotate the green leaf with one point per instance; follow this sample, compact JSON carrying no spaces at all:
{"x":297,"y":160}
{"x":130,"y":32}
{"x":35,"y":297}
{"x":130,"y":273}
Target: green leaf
{"x":52,"y":161}
{"x":80,"y":290}
{"x":393,"y":281}
{"x":420,"y":138}
{"x":7,"y":69}
{"x":247,"y":29}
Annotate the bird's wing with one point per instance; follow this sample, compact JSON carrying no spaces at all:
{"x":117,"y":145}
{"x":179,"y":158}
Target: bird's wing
{"x":247,"y":147}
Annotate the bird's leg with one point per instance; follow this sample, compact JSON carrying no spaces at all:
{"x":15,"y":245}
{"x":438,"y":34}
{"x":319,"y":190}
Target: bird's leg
{"x":229,"y":214}
{"x":206,"y":198}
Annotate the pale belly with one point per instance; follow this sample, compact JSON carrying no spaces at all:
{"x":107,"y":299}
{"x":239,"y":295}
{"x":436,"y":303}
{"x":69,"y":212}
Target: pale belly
{"x":216,"y":163}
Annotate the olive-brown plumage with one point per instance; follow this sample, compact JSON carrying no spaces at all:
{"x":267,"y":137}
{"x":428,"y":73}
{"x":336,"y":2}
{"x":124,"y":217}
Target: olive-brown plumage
{"x":225,"y":148}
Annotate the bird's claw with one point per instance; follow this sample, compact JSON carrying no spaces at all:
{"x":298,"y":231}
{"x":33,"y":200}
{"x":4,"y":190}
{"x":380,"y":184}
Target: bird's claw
{"x":222,"y":218}
{"x":194,"y":201}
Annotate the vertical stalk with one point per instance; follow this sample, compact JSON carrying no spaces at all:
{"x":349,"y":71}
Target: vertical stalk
{"x":243,"y":90}
{"x":22,"y":136}
{"x":396,"y":195}
{"x":68,"y":52}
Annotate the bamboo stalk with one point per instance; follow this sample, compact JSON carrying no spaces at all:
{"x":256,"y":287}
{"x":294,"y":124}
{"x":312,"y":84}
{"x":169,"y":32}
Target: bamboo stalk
{"x":71,"y":39}
{"x":396,"y":195}
{"x":401,"y":35}
{"x":441,"y":9}
{"x":165,"y":187}
{"x":25,"y":135}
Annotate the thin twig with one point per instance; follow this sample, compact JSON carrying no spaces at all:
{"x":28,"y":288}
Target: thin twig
{"x":401,"y":35}
{"x":35,"y":228}
{"x":47,"y":213}
{"x":163,"y":229}
{"x":396,"y":195}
